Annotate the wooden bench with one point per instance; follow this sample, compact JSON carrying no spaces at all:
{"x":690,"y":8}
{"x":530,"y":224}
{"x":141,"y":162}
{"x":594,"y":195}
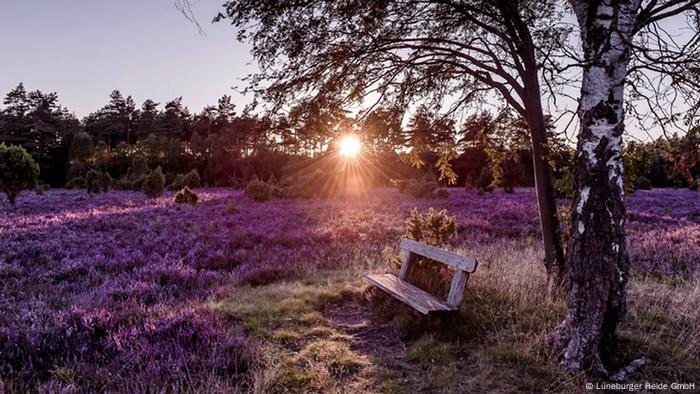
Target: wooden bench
{"x":419,"y":299}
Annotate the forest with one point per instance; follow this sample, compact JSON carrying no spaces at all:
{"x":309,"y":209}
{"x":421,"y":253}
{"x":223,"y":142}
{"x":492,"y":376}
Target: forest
{"x":227,"y":148}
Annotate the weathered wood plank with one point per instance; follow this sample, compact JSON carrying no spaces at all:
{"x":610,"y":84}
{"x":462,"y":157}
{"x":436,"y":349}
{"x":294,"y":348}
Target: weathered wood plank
{"x":405,"y":264}
{"x":454,"y":260}
{"x":405,"y":292}
{"x":456,"y":294}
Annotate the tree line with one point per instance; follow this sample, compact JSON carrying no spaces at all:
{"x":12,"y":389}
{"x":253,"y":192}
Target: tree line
{"x":226,"y":148}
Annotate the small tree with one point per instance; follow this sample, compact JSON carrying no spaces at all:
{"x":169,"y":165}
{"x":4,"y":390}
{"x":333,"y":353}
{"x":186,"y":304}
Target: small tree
{"x":92,"y":179}
{"x":18,"y":171}
{"x":154,"y":184}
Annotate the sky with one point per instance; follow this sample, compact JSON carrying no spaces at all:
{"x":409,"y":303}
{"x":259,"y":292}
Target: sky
{"x":84,"y":49}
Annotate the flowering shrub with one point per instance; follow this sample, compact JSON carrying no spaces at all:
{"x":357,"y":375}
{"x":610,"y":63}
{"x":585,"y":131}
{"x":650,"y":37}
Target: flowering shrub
{"x":110,"y":289}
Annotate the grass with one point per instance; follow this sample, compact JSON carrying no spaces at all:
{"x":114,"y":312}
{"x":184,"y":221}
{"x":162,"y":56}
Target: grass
{"x":495,"y":344}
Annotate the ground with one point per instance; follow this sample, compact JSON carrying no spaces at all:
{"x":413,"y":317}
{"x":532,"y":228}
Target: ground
{"x":118,"y":292}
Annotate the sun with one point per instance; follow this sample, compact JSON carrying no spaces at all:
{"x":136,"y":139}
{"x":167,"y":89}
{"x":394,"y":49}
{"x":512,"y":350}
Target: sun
{"x":350,"y":146}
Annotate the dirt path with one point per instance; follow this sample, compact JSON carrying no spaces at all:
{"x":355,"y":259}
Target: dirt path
{"x":374,"y":338}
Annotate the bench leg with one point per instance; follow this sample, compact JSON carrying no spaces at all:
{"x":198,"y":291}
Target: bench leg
{"x":459,"y":282}
{"x":405,"y":263}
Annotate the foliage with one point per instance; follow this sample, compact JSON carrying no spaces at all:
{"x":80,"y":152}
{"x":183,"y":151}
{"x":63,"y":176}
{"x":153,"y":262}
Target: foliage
{"x":192,"y":180}
{"x":643,"y":183}
{"x":258,"y":191}
{"x":484,"y":183}
{"x":41,"y":188}
{"x":564,"y":186}
{"x":637,"y":159}
{"x":154,"y":184}
{"x":76,"y":183}
{"x":18,"y":171}
{"x":186,"y":196}
{"x":433,"y":227}
{"x":82,"y":149}
{"x":92,"y":182}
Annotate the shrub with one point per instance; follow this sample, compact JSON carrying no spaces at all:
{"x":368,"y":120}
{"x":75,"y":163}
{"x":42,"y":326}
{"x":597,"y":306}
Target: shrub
{"x":694,"y":185}
{"x":643,"y":183}
{"x":139,"y":166}
{"x":41,"y":188}
{"x":178,"y":183}
{"x":105,"y":181}
{"x":306,"y":185}
{"x":420,"y":188}
{"x":18,"y":171}
{"x":92,"y":181}
{"x":484,"y":182}
{"x":564,"y":188}
{"x":433,"y":228}
{"x":258,"y":191}
{"x":186,"y":196}
{"x":441,"y":193}
{"x":75,"y":183}
{"x":154,"y":184}
{"x":192,"y":179}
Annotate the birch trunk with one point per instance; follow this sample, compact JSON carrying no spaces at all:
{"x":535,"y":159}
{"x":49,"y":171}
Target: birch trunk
{"x":597,"y":257}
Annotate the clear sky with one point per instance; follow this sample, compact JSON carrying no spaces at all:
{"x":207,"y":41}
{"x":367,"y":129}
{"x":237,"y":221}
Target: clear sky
{"x":84,"y":49}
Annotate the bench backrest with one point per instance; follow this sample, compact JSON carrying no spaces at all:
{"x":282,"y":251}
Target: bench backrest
{"x":463,"y":266}
{"x":458,"y":262}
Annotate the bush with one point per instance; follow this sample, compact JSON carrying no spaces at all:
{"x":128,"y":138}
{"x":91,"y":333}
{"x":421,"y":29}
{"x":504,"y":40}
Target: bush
{"x":258,"y":191}
{"x":75,"y":183}
{"x":433,"y":228}
{"x":154,"y":184}
{"x":694,"y":185}
{"x":178,"y":183}
{"x":484,"y":182}
{"x":302,"y":185}
{"x":192,"y":179}
{"x":92,"y":181}
{"x":18,"y":171}
{"x":643,"y":183}
{"x":41,"y":189}
{"x":105,"y":181}
{"x":186,"y":196}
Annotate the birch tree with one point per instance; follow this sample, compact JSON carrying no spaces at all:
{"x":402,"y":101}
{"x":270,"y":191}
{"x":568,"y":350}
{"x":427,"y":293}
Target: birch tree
{"x":620,"y":41}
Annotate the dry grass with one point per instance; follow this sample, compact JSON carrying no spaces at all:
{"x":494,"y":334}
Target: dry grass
{"x":495,"y":344}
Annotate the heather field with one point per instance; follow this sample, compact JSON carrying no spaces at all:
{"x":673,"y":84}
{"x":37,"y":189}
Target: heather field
{"x":121,"y":293}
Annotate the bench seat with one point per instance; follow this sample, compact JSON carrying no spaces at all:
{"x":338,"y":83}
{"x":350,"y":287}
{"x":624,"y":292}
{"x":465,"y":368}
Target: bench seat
{"x":418,"y":299}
